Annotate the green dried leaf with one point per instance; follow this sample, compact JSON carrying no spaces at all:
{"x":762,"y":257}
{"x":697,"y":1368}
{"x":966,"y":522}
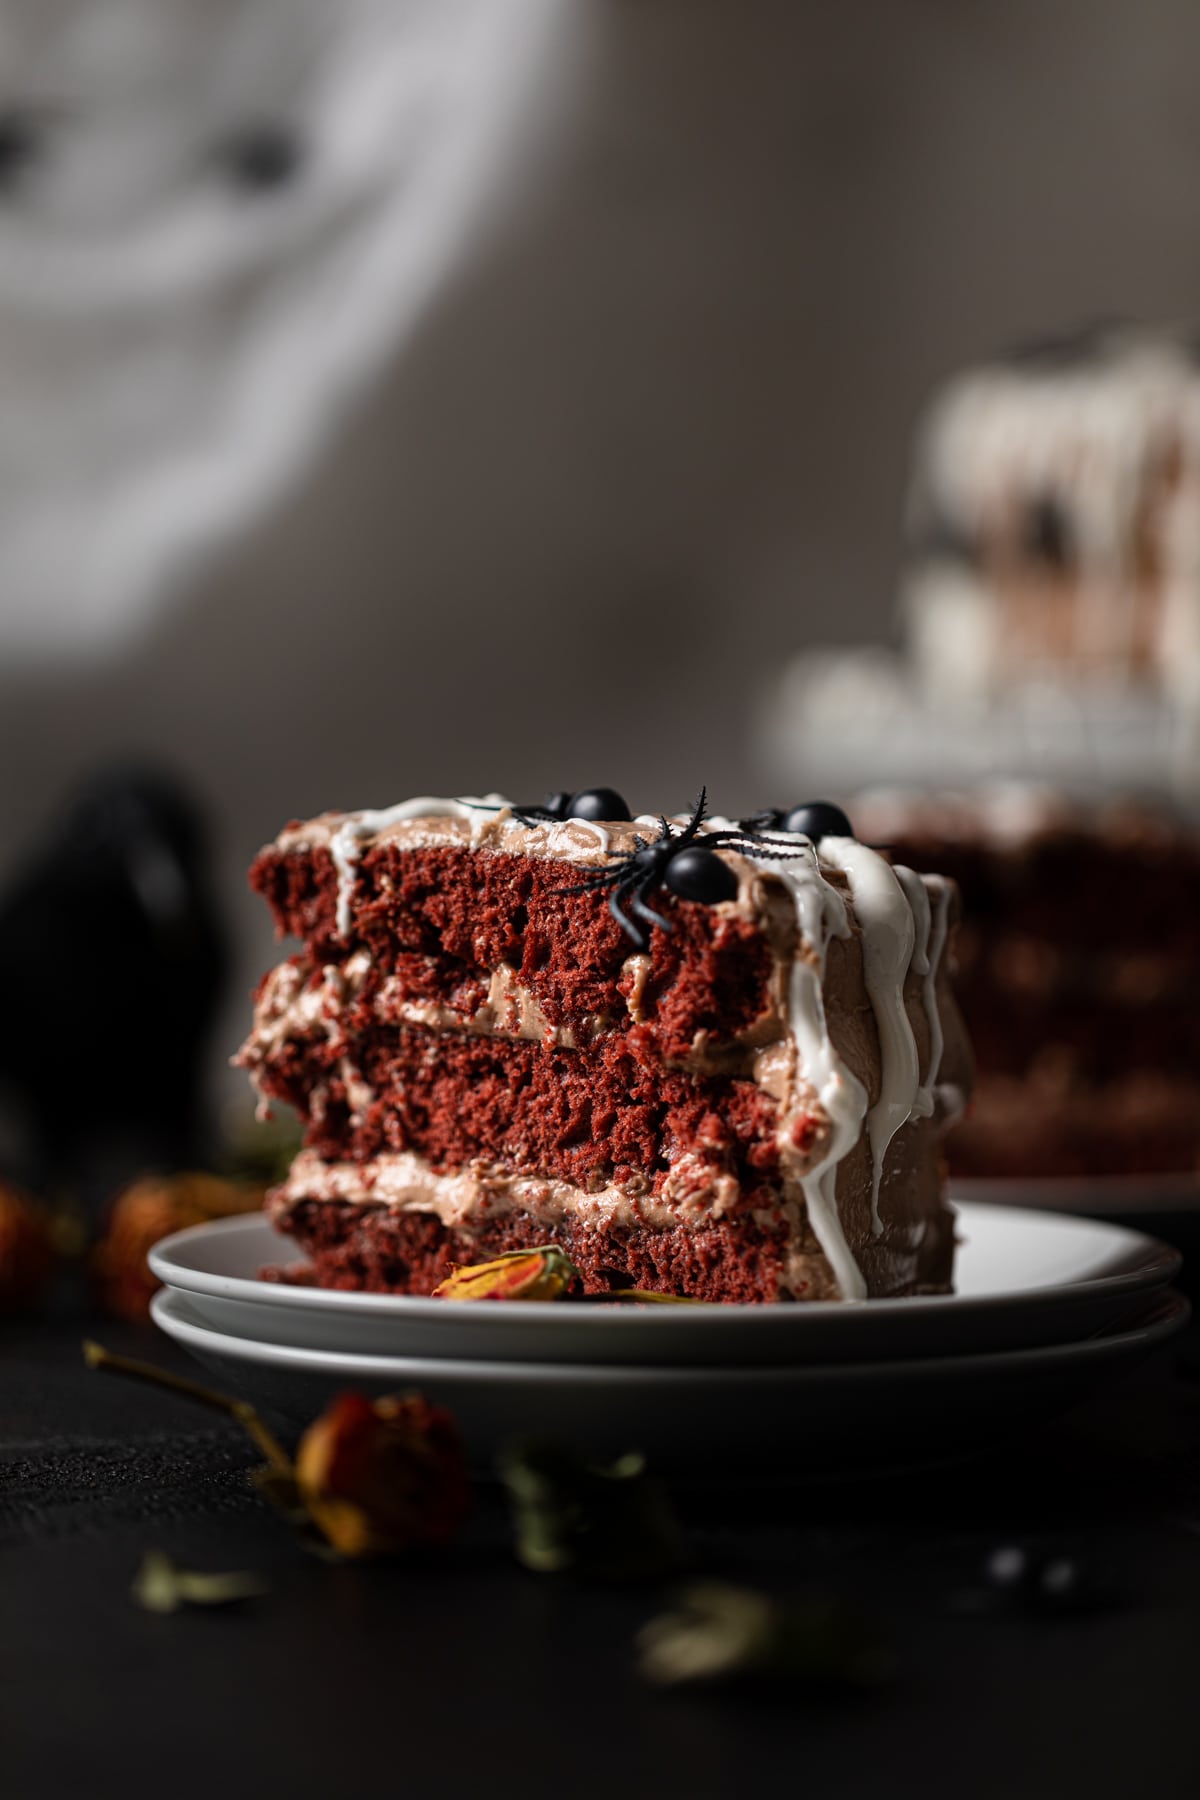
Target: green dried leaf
{"x":612,"y":1523}
{"x":161,"y":1586}
{"x":719,"y":1632}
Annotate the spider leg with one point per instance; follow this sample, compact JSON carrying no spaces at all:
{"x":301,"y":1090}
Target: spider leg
{"x":628,"y":926}
{"x":764,"y":847}
{"x":767,"y":853}
{"x":647,"y":913}
{"x":699,"y":813}
{"x":602,"y":877}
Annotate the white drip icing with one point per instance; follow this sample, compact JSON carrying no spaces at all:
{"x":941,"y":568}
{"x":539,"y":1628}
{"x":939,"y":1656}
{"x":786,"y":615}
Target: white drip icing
{"x":820,"y":915}
{"x":889,"y":936}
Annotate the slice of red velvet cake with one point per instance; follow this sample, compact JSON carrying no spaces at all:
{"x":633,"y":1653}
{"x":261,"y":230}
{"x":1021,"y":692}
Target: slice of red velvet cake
{"x":716,"y":1060}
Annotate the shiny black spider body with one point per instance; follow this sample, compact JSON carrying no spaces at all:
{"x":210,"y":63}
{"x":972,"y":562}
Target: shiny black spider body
{"x":681,"y":858}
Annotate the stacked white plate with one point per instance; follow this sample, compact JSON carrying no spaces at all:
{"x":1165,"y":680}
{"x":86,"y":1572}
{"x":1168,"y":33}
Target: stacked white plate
{"x":1046,"y":1309}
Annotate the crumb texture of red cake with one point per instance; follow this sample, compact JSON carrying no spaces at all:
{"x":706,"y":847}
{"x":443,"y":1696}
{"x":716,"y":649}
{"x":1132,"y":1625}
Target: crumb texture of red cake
{"x":738,"y":1097}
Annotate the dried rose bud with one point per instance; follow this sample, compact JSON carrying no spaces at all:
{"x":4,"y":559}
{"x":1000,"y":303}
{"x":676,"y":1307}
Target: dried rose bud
{"x":26,"y":1249}
{"x":517,"y":1275}
{"x":383,"y":1475}
{"x":145,"y":1212}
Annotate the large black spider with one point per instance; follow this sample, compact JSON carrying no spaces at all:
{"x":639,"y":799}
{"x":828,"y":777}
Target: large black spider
{"x":681,"y":860}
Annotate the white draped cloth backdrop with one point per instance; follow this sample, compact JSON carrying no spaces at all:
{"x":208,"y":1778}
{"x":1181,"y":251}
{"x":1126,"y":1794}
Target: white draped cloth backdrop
{"x":217,"y":219}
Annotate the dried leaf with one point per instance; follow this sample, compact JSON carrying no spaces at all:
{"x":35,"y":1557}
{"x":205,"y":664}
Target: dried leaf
{"x":609,"y":1522}
{"x":161,"y":1586}
{"x":720,"y":1632}
{"x":542,"y":1274}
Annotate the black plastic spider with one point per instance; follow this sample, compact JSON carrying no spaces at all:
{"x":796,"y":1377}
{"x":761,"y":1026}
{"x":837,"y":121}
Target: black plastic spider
{"x":681,"y":860}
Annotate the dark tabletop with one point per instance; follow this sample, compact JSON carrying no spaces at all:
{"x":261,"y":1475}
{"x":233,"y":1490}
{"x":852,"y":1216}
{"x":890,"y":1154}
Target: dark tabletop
{"x":465,"y":1673}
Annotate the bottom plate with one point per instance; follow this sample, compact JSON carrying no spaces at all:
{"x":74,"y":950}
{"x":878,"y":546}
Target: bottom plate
{"x":722,"y":1421}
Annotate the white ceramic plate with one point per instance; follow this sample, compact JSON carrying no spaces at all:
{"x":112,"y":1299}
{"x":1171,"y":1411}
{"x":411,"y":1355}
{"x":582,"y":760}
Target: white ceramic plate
{"x":718,"y":1422}
{"x":1023,"y":1278}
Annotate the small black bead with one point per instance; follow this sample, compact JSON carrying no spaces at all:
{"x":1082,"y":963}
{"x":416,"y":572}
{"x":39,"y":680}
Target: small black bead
{"x":263,"y":158}
{"x":818,"y":819}
{"x":700,"y":874}
{"x":597,"y":803}
{"x":557,"y":805}
{"x":1061,"y":1585}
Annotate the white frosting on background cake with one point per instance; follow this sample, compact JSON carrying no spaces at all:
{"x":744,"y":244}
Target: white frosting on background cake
{"x":1076,"y":662}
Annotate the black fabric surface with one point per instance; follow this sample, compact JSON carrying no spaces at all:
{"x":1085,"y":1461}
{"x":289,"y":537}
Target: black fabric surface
{"x":464,"y":1674}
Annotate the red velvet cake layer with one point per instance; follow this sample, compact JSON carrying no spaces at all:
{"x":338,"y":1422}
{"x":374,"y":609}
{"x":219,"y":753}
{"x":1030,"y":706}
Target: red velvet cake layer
{"x":584,"y":1116}
{"x":386,"y":1251}
{"x":444,"y":918}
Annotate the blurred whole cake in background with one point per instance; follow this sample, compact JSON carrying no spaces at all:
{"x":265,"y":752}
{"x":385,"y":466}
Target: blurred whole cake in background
{"x":1039,"y":733}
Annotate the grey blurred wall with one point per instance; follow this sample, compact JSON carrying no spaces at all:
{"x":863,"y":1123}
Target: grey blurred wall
{"x":655,"y":436}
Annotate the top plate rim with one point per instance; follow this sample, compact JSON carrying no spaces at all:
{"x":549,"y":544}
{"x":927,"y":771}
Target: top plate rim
{"x":1143,"y":1262}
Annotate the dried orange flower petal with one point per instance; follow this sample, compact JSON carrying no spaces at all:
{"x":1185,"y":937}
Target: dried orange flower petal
{"x":143,"y":1213}
{"x":543,"y":1274}
{"x":26,"y":1249}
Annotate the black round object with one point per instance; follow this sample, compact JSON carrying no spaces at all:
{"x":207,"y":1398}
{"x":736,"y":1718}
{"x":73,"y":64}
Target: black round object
{"x":263,"y":158}
{"x":558,"y":805}
{"x":817,"y":819}
{"x":20,"y":143}
{"x":598,"y":803}
{"x":699,"y":874}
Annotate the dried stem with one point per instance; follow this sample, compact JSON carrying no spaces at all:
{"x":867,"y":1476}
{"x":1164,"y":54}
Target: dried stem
{"x":97,"y":1357}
